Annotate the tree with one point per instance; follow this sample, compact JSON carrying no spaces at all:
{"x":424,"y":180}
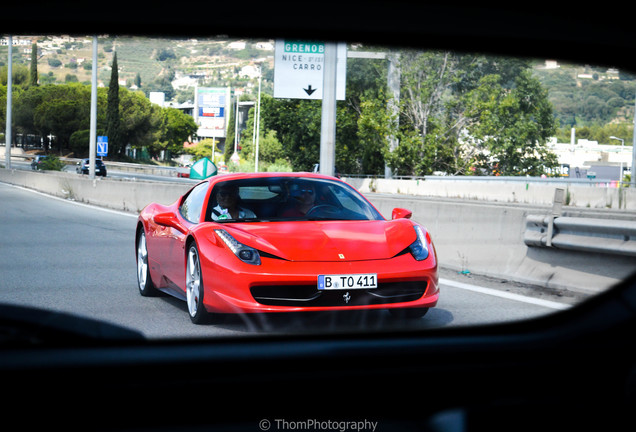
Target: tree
{"x":375,"y":125}
{"x":140,"y":119}
{"x":297,"y":126}
{"x":3,"y":107}
{"x":511,"y":127}
{"x":33,"y":75}
{"x":62,"y":110}
{"x":24,"y":108}
{"x":204,"y":148}
{"x":113,"y":119}
{"x":425,"y":78}
{"x":176,"y":128}
{"x":19,"y":76}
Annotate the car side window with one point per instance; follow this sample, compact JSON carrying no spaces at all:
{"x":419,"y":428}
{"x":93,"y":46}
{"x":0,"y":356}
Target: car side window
{"x":193,"y":203}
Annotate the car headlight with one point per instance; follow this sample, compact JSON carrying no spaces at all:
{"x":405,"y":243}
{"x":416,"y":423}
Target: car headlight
{"x":244,"y":253}
{"x":418,"y":248}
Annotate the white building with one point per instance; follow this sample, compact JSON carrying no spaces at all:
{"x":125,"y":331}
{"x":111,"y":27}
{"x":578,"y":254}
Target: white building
{"x":238,"y":45}
{"x":590,"y":156}
{"x":158,"y":98}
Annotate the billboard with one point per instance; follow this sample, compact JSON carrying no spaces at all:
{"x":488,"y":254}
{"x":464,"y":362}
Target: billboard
{"x":211,"y":110}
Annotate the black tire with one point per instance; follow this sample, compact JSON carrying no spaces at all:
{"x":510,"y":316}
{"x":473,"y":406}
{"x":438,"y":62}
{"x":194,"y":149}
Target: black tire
{"x":194,"y":287}
{"x":144,"y":282}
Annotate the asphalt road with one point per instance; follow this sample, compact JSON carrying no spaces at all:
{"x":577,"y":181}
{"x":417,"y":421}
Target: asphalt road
{"x":64,"y":256}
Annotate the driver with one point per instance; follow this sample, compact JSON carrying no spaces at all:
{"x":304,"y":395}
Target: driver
{"x":227,"y":198}
{"x":304,"y":195}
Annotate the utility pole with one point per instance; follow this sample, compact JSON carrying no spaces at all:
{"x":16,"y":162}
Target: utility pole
{"x":393,"y":83}
{"x":93,"y":125}
{"x":7,"y":135}
{"x":235,"y":156}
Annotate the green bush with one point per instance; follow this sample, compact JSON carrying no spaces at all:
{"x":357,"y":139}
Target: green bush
{"x":52,"y":163}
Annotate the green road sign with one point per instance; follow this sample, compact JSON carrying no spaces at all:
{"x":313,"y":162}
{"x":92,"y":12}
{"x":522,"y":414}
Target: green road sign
{"x":202,"y":169}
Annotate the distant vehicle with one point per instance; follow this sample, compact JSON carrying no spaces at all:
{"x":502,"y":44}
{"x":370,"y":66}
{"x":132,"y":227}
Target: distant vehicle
{"x":36,"y":163}
{"x":336,"y":173}
{"x":83,"y":167}
{"x":184,"y":171}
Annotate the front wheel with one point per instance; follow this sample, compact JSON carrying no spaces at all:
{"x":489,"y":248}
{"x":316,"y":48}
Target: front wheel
{"x":194,"y":287}
{"x":144,"y":283}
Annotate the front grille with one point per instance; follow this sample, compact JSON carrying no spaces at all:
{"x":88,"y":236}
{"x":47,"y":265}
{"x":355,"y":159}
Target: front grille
{"x":311,"y":296}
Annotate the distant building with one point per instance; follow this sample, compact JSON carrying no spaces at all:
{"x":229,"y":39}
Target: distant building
{"x":238,"y":45}
{"x":589,"y":158}
{"x":250,"y":71}
{"x":551,"y":64}
{"x":158,"y":98}
{"x":266,"y":46}
{"x":17,"y":41}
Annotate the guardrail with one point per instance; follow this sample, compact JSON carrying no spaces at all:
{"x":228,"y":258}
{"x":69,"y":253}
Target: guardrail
{"x":582,"y":234}
{"x":617,"y":237}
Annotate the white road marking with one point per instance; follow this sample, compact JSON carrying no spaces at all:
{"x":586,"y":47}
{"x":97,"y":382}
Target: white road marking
{"x":504,"y":294}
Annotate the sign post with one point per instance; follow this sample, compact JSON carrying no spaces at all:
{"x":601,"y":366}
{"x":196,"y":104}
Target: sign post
{"x":328,"y":123}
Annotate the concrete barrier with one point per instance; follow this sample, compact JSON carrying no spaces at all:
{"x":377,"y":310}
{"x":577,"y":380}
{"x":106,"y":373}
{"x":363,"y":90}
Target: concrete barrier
{"x":484,"y":238}
{"x":124,"y":195}
{"x":518,"y":190}
{"x":488,"y":239}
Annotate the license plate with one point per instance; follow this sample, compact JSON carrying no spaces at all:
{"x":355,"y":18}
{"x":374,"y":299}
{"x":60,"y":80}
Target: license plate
{"x":348,"y":281}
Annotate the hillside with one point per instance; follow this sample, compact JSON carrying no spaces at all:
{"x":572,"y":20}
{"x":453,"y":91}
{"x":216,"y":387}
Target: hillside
{"x":152,"y":63}
{"x":586,"y":95}
{"x":581,"y":95}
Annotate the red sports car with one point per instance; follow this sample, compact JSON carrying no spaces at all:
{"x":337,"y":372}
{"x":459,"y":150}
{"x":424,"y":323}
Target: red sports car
{"x":284,"y":242}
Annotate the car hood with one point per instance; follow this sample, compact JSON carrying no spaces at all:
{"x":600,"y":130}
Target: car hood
{"x":327,"y":240}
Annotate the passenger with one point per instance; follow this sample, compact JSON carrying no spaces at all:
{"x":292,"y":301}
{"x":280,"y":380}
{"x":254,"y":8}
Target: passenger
{"x":227,"y":198}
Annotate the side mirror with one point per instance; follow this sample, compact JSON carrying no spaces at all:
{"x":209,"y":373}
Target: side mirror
{"x":401,"y":213}
{"x":168,"y":219}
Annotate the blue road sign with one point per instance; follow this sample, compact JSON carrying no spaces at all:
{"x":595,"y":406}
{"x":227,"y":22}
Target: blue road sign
{"x":102,"y":146}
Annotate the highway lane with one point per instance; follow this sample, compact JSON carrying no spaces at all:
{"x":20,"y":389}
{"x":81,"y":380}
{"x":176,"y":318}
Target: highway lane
{"x":113,"y":172}
{"x":65,"y":256}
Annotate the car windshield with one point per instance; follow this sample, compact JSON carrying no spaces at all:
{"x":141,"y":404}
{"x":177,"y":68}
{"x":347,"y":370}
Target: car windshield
{"x":472,"y":187}
{"x":273,"y":199}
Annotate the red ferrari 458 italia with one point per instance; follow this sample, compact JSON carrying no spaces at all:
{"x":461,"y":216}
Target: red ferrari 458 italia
{"x":284,"y":242}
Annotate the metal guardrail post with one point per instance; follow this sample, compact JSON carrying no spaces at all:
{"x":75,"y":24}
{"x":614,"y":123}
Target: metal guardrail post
{"x":557,"y":209}
{"x":616,"y":237}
